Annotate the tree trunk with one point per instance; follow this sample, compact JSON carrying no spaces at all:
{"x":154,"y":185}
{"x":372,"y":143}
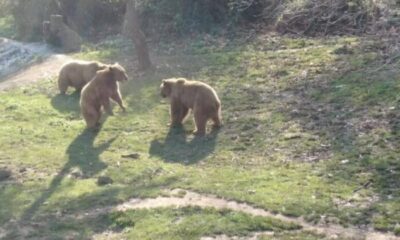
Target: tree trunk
{"x":132,"y":30}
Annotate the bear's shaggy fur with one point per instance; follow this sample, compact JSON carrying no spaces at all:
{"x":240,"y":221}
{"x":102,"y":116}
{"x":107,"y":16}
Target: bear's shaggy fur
{"x":98,"y":92}
{"x":197,"y":96}
{"x":76,"y":74}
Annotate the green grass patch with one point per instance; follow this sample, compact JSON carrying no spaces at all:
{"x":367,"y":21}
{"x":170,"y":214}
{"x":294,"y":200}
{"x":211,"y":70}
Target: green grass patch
{"x":179,"y":223}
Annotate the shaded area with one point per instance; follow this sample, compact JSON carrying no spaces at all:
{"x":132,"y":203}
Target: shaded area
{"x":84,"y":216}
{"x":68,"y":228}
{"x":5,"y":174}
{"x":82,"y":154}
{"x":66,"y":103}
{"x":178,"y":148}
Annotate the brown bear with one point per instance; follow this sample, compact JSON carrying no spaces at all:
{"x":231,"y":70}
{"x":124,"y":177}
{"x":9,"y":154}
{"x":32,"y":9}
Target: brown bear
{"x":98,"y":92}
{"x":197,"y":96}
{"x":76,"y":74}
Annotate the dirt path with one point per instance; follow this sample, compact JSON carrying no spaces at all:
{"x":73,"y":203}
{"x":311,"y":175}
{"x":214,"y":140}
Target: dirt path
{"x":190,"y":198}
{"x":48,"y":68}
{"x":196,"y":199}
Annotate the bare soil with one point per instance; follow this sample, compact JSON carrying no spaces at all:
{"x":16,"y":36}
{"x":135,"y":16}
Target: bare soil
{"x":48,"y":68}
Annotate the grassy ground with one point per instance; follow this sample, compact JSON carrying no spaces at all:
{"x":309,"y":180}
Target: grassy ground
{"x":311,"y":129}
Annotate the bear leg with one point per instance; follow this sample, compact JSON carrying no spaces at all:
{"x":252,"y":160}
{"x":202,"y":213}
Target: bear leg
{"x":107,"y":106}
{"x":200,"y":121}
{"x":79,"y":88}
{"x":63,"y":85}
{"x":116,"y":96}
{"x":216,"y":118}
{"x":178,"y":113}
{"x":183,"y":114}
{"x":91,"y":116}
{"x":217,"y":121}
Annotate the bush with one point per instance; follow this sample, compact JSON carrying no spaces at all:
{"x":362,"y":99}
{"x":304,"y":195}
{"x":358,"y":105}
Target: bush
{"x":305,"y":17}
{"x":323,"y":17}
{"x":166,"y":18}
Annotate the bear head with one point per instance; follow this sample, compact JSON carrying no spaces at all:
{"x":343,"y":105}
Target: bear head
{"x":118,"y":72}
{"x":168,"y":84}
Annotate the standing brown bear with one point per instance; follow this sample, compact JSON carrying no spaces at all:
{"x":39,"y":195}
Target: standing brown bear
{"x":197,"y":96}
{"x":76,"y":74}
{"x":98,"y":92}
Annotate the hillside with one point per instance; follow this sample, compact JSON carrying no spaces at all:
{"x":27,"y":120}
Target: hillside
{"x":310,"y":132}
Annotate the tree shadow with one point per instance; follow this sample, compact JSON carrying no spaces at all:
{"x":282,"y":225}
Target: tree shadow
{"x":178,"y":148}
{"x":55,"y":228}
{"x":81,"y":154}
{"x":85,"y":215}
{"x":66,"y":103}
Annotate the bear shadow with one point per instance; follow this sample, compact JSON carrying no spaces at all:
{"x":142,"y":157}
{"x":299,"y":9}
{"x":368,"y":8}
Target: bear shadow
{"x":65,"y":103}
{"x":83,"y":155}
{"x":178,"y":148}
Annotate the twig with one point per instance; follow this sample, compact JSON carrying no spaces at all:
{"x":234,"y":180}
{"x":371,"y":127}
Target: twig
{"x":365,"y":185}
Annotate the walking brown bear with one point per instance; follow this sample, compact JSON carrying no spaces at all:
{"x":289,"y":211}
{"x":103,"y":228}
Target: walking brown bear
{"x":197,"y":96}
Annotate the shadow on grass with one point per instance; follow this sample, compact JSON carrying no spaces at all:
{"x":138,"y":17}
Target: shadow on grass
{"x":178,"y":148}
{"x":66,"y":103}
{"x":85,"y":215}
{"x":82,"y":154}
